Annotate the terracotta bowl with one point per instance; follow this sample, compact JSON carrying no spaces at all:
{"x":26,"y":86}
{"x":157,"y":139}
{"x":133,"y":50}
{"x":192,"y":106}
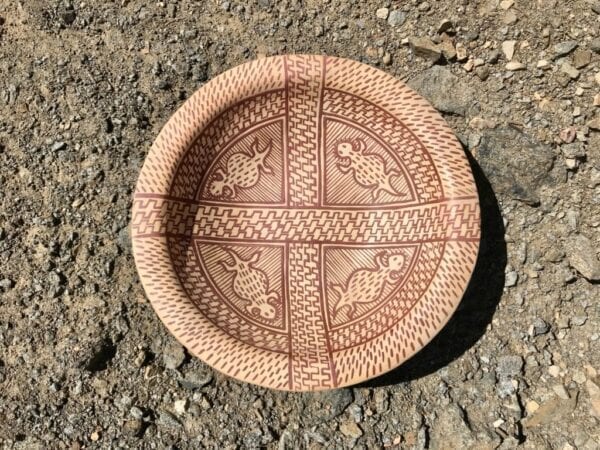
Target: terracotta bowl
{"x":305,"y":222}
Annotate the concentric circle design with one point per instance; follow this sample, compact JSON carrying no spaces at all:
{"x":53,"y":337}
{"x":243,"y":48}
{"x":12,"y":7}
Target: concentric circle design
{"x":305,"y":222}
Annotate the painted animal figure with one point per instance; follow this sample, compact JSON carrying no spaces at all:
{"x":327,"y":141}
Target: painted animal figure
{"x":367,"y":168}
{"x":251,"y":285}
{"x":366,"y":285}
{"x":243,"y":171}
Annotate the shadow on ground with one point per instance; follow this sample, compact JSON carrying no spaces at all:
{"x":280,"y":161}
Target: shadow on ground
{"x":478,"y":305}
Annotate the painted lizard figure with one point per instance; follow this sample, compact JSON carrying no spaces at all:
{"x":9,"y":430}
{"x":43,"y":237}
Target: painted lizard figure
{"x":251,"y":285}
{"x":366,"y":285}
{"x":367,"y":168}
{"x":243,"y":171}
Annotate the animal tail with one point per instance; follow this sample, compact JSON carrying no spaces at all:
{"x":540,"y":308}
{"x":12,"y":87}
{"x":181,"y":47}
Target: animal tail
{"x":262,"y":155}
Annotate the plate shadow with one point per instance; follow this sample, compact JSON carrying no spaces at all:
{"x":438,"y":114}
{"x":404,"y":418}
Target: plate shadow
{"x":475,"y":312}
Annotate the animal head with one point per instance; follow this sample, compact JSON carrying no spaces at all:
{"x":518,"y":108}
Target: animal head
{"x":240,"y":264}
{"x":217,"y":188}
{"x":264,"y":308}
{"x":392,"y":262}
{"x":347,"y":148}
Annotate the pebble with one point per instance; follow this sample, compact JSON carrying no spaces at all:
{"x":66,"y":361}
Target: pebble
{"x":543,"y":64}
{"x":136,"y":412}
{"x":179,"y":406}
{"x":173,"y":355}
{"x":506,"y":4}
{"x":58,"y":146}
{"x":568,"y":69}
{"x":540,"y":326}
{"x":435,"y":83}
{"x":509,"y":366}
{"x":579,"y":377}
{"x":445,"y":26}
{"x":351,"y":429}
{"x":508,"y":48}
{"x":515,"y":65}
{"x":6,"y":284}
{"x":483,"y":73}
{"x":531,"y":406}
{"x":594,"y":124}
{"x":168,"y":420}
{"x":560,"y":390}
{"x":594,"y":393}
{"x":595,"y":45}
{"x":426,"y":48}
{"x":511,"y":279}
{"x":564,"y":48}
{"x":448,"y":50}
{"x":554,"y":371}
{"x":396,"y":18}
{"x":196,"y":379}
{"x":581,"y":252}
{"x":581,"y":58}
{"x":382,"y":13}
{"x":461,"y":53}
{"x":596,"y":101}
{"x":509,"y":18}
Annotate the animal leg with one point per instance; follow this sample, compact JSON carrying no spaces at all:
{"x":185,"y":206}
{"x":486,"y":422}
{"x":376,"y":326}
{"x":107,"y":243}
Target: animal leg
{"x":375,"y":193}
{"x":344,"y":169}
{"x":228,"y":267}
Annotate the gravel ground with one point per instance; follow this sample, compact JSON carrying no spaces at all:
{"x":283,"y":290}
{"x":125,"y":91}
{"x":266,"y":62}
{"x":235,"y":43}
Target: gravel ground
{"x":84,"y":89}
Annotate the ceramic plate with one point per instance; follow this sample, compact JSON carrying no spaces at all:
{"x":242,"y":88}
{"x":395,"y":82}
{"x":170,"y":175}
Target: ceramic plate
{"x":305,"y":222}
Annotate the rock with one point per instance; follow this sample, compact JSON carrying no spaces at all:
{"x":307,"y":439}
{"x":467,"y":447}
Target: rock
{"x":509,"y":366}
{"x":396,"y":18}
{"x":594,"y":124}
{"x":509,"y":18}
{"x":553,"y":410}
{"x":594,"y":392}
{"x":508,"y":48}
{"x":581,"y":253}
{"x":506,"y":4}
{"x":511,"y":279}
{"x":540,"y":326}
{"x":58,"y":146}
{"x":173,"y":355}
{"x":448,"y":50}
{"x":424,"y":47}
{"x":531,"y":406}
{"x":543,"y":64}
{"x":515,"y":163}
{"x":450,"y":430}
{"x":560,"y":390}
{"x":445,"y":26}
{"x":494,"y":56}
{"x":568,"y":69}
{"x":6,"y":284}
{"x":382,"y":13}
{"x":325,"y":406}
{"x":483,"y":73}
{"x":167,"y":420}
{"x":196,"y":379}
{"x":133,"y":427}
{"x":595,"y":45}
{"x":579,"y":377}
{"x":515,"y":65}
{"x":180,"y":406}
{"x":136,"y":412}
{"x":581,"y":58}
{"x":595,"y":5}
{"x":554,"y":371}
{"x":564,"y":48}
{"x":461,"y":53}
{"x":351,"y":429}
{"x":436,"y":83}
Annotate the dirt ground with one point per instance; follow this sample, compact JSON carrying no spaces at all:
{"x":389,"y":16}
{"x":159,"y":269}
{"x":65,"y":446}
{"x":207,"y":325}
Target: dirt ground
{"x":86,"y":86}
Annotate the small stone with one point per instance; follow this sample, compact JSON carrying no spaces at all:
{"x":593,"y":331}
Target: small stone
{"x":597,"y":78}
{"x":511,"y":279}
{"x":595,"y":45}
{"x":594,"y":124}
{"x":581,"y":252}
{"x":509,"y":18}
{"x":568,"y":69}
{"x":382,"y":13}
{"x":424,"y":6}
{"x":173,"y":355}
{"x":554,"y":371}
{"x":133,"y":427}
{"x":445,"y":26}
{"x":6,"y":284}
{"x":498,"y":423}
{"x":168,"y":420}
{"x":582,"y":58}
{"x":560,"y":390}
{"x":468,"y":66}
{"x":396,"y":18}
{"x":564,"y":48}
{"x":579,"y":377}
{"x":515,"y":65}
{"x":595,"y":6}
{"x":351,"y":429}
{"x":509,"y":366}
{"x":540,"y":327}
{"x":448,"y":50}
{"x":494,"y":56}
{"x":95,"y":436}
{"x":594,"y":393}
{"x":387,"y":59}
{"x":483,"y":73}
{"x":596,"y":101}
{"x":136,"y":412}
{"x":531,"y":406}
{"x":436,"y":82}
{"x":196,"y":379}
{"x":567,"y":135}
{"x":58,"y":146}
{"x":506,"y":4}
{"x":424,"y":47}
{"x":461,"y":53}
{"x":578,"y":321}
{"x":179,"y":406}
{"x":508,"y":48}
{"x":543,"y":64}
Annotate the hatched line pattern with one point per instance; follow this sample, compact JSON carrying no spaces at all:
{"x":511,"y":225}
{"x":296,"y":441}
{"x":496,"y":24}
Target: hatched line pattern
{"x":310,"y":360}
{"x":303,"y":86}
